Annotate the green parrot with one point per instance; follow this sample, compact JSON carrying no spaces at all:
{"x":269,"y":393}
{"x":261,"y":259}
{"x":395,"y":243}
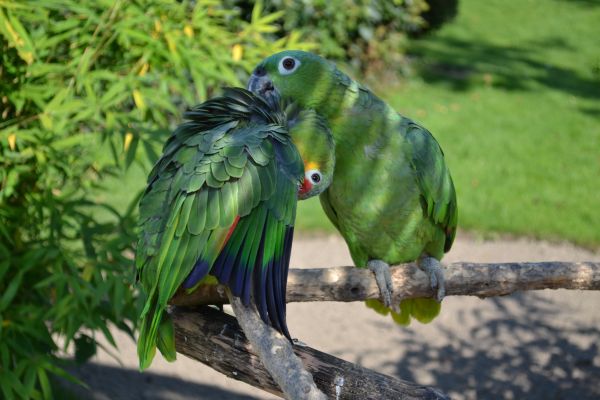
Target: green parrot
{"x":221,"y":200}
{"x":392,"y":197}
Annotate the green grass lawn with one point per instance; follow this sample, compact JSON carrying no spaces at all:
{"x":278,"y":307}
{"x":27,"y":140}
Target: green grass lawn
{"x":511,"y":89}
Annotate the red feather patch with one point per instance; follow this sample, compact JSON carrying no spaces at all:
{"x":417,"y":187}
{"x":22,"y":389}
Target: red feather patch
{"x":230,"y":232}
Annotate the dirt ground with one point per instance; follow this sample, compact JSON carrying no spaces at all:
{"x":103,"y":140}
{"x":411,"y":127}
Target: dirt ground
{"x":536,"y":345}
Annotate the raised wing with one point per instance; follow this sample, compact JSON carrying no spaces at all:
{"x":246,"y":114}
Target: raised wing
{"x":220,"y":201}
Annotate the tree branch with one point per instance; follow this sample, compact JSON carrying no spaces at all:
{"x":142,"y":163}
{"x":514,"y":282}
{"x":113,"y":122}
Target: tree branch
{"x":276,"y":354}
{"x":462,"y":279}
{"x":215,"y":339}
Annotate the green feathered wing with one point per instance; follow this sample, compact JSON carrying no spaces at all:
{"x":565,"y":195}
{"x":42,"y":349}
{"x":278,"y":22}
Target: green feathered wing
{"x":221,"y":200}
{"x":438,"y":200}
{"x":438,"y":196}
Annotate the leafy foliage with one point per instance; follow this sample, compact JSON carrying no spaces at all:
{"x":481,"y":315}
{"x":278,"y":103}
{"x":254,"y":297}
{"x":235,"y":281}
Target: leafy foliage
{"x":368,"y":34}
{"x":437,"y":14}
{"x":87,"y":88}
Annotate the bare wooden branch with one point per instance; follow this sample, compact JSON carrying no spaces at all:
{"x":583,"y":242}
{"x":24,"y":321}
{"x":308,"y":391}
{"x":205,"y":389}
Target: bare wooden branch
{"x":462,"y":279}
{"x":276,"y":354}
{"x":215,"y":339}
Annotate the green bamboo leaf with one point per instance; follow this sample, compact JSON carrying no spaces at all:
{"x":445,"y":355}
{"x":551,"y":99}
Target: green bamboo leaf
{"x":40,"y":69}
{"x":107,"y":334}
{"x":141,"y":36}
{"x":115,"y":93}
{"x":266,"y":28}
{"x":65,"y":25}
{"x":17,"y":36}
{"x":29,"y":379}
{"x":10,"y":292}
{"x":71,"y":141}
{"x":14,"y":5}
{"x":267,"y":19}
{"x":44,"y":383}
{"x":6,"y":383}
{"x":5,"y":353}
{"x":16,"y":383}
{"x":64,"y":374}
{"x":50,"y":280}
{"x":256,"y":12}
{"x":131,"y":151}
{"x":84,"y":62}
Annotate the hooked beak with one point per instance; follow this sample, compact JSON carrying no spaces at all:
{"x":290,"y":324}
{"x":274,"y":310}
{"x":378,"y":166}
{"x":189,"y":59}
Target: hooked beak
{"x":304,"y":189}
{"x":260,"y":84}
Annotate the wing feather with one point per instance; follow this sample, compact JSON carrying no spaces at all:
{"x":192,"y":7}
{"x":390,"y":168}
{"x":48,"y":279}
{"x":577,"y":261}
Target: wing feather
{"x":217,"y":203}
{"x":434,"y":180}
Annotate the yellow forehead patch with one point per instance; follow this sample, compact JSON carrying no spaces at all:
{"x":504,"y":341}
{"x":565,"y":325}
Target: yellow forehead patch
{"x":311,"y":165}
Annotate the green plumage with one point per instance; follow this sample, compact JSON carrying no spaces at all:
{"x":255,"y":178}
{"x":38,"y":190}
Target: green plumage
{"x":392,"y":196}
{"x":221,"y":200}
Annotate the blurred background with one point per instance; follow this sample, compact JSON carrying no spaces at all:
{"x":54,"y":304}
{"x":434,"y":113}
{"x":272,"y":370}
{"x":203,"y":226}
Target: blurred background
{"x":89,"y":92}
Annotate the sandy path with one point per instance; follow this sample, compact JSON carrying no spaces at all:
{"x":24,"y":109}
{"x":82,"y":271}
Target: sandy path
{"x":532,"y":345}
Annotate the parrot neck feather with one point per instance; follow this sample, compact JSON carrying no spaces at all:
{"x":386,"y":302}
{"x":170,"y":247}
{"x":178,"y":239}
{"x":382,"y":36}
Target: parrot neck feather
{"x":347,"y":105}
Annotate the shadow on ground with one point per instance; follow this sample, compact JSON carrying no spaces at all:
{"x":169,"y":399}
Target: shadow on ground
{"x":462,"y":64}
{"x":521,"y":353}
{"x":116,"y":383}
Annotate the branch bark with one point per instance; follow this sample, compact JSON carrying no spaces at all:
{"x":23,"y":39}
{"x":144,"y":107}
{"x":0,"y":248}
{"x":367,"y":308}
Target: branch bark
{"x":215,"y":339}
{"x":276,"y":354}
{"x":462,"y":279}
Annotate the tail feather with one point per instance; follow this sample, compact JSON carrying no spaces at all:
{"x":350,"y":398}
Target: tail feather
{"x":260,"y":281}
{"x":423,"y":310}
{"x":270,"y":295}
{"x":146,"y":344}
{"x":254,"y":262}
{"x":166,"y":338}
{"x":156,"y":331}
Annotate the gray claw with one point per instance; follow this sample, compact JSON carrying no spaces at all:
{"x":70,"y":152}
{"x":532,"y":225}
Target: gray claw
{"x":434,"y":271}
{"x":384,"y":280}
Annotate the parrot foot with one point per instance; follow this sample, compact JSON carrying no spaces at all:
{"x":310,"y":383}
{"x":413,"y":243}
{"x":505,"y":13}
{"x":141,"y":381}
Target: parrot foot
{"x":433,"y":268}
{"x":383,"y":278}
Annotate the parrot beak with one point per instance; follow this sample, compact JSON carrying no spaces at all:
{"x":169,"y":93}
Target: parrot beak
{"x":304,"y":188}
{"x":260,"y":83}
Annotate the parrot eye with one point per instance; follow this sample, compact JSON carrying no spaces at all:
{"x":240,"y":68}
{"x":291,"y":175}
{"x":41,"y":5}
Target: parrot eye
{"x":315,"y":177}
{"x":288,"y":65}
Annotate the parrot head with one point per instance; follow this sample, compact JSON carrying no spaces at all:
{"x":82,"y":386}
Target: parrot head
{"x":300,"y":76}
{"x":301,"y":80}
{"x":314,"y":142}
{"x":315,"y":181}
{"x":319,"y":161}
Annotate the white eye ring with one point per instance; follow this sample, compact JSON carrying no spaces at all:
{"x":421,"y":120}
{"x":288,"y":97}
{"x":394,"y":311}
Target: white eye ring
{"x":288,"y":65}
{"x":314,"y":176}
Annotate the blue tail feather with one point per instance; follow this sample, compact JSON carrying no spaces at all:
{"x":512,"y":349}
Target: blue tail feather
{"x":270,"y":295}
{"x":247,"y":277}
{"x":199,"y":271}
{"x":236,"y":281}
{"x":219,"y":266}
{"x":259,"y":280}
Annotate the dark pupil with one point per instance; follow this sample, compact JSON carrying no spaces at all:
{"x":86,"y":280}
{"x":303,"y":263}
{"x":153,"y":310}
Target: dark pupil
{"x":316,"y":178}
{"x":288,"y":63}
